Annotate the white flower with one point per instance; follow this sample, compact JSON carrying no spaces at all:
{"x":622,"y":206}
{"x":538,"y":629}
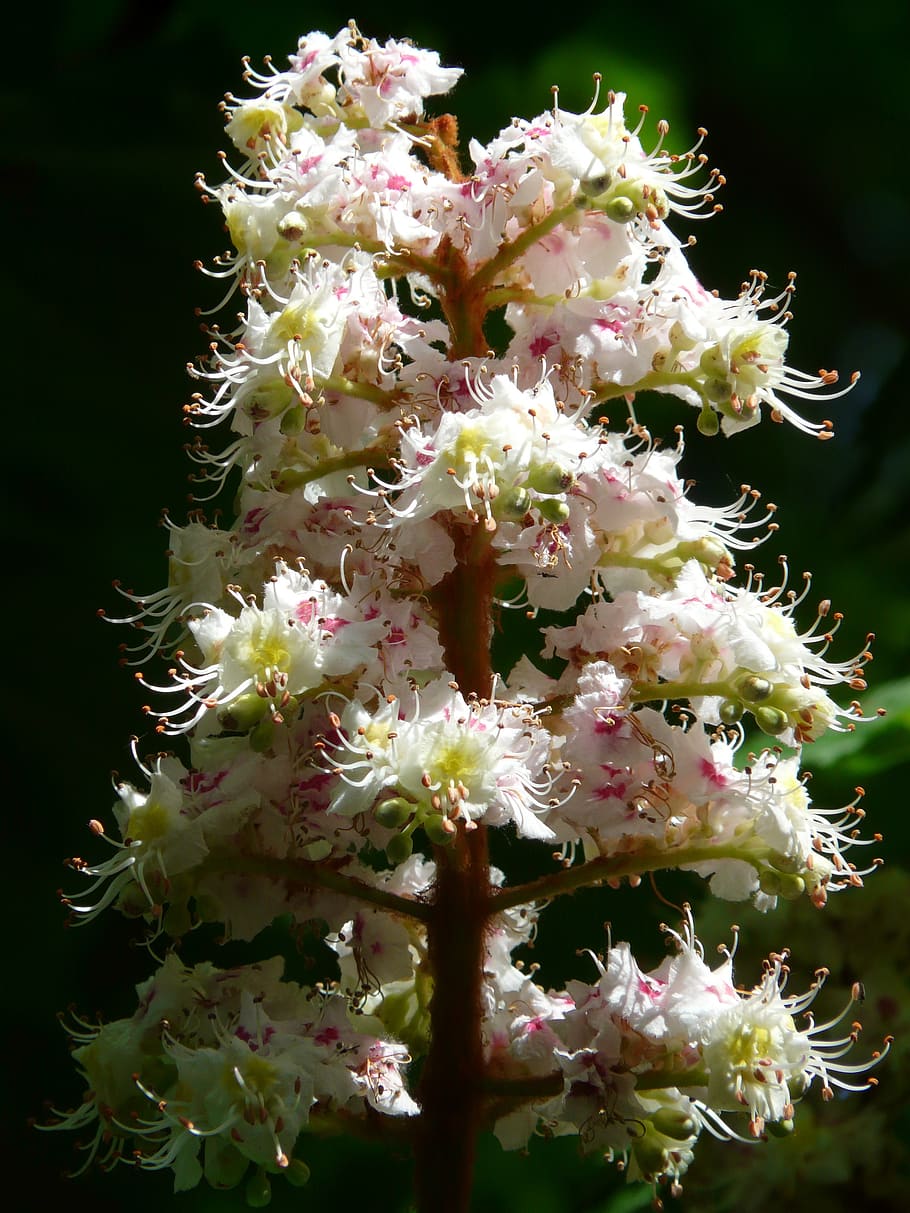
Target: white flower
{"x":270,"y":654}
{"x":448,"y":759}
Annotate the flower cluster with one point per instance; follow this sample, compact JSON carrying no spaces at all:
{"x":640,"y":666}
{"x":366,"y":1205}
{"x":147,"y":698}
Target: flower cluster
{"x":399,"y":486}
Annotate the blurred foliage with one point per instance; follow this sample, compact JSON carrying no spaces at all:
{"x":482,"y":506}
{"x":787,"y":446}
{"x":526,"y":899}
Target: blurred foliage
{"x":111,"y":107}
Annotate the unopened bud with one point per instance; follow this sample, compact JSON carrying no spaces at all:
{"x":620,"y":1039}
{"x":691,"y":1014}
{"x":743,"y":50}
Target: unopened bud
{"x":554,"y":510}
{"x":512,"y":504}
{"x":394,"y":812}
{"x":621,"y":209}
{"x":550,"y":478}
{"x":706,"y":551}
{"x":593,"y":187}
{"x":262,"y":735}
{"x":258,"y":1190}
{"x":674,"y":1122}
{"x":399,"y":848}
{"x":292,"y":226}
{"x":717,"y":390}
{"x":791,"y":886}
{"x":754,"y":689}
{"x":293,"y":420}
{"x":769,"y":882}
{"x":771,"y":721}
{"x":241,"y":715}
{"x":708,"y":422}
{"x":297,"y":1173}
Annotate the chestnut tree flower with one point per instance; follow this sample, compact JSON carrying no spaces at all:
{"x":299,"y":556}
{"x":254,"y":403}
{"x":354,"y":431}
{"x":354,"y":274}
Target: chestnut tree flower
{"x":402,"y":423}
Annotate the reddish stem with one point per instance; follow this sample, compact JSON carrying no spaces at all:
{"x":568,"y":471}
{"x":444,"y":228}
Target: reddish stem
{"x":451,"y":1093}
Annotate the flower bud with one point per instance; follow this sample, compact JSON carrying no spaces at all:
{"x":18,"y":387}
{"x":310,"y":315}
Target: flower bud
{"x":753,"y":688}
{"x":512,"y":504}
{"x":292,"y":226}
{"x":243,"y":713}
{"x":706,"y":551}
{"x":708,"y":422}
{"x":674,"y":1122}
{"x":394,"y":812}
{"x":297,"y":1173}
{"x":717,"y":390}
{"x":650,"y":1155}
{"x":262,"y":735}
{"x":593,"y":187}
{"x":399,"y":848}
{"x":792,"y":886}
{"x":730,"y":711}
{"x":771,"y":721}
{"x":554,"y":510}
{"x":769,"y":882}
{"x":550,"y":478}
{"x":621,"y":209}
{"x":258,"y":1191}
{"x":293,"y":420}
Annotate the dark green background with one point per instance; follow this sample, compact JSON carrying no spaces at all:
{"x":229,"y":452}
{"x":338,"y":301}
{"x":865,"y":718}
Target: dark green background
{"x":111,"y":108}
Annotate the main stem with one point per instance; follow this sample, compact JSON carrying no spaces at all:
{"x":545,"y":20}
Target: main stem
{"x":451,"y":1087}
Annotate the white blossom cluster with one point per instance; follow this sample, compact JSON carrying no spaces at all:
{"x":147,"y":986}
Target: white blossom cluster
{"x":376,"y":449}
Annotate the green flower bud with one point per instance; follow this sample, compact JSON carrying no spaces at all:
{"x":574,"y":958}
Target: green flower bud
{"x":769,"y":882}
{"x":651,"y":1155}
{"x":674,"y":1122}
{"x":554,"y":510}
{"x":771,"y":720}
{"x":706,"y":551}
{"x":512,"y":504}
{"x":178,"y":920}
{"x":550,"y":478}
{"x":399,"y":848}
{"x":262,"y":736}
{"x":779,"y":1128}
{"x":297,"y":1173}
{"x":708,"y":421}
{"x":258,"y":1190}
{"x":286,"y":479}
{"x":593,"y":187}
{"x":754,"y":689}
{"x":713,"y":364}
{"x":621,"y":209}
{"x":244,"y":712}
{"x":717,"y":390}
{"x":792,"y":886}
{"x":394,"y":812}
{"x":293,"y":421}
{"x":270,"y":399}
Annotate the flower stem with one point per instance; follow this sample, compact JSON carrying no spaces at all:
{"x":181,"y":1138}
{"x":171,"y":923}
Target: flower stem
{"x":610,"y":867}
{"x":451,"y":1092}
{"x":302,"y":872}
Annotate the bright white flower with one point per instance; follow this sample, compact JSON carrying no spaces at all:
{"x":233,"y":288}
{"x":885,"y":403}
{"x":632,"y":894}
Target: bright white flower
{"x":160,"y":840}
{"x":514,"y":453}
{"x":759,"y":1059}
{"x":446,"y":759}
{"x":265,"y":657}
